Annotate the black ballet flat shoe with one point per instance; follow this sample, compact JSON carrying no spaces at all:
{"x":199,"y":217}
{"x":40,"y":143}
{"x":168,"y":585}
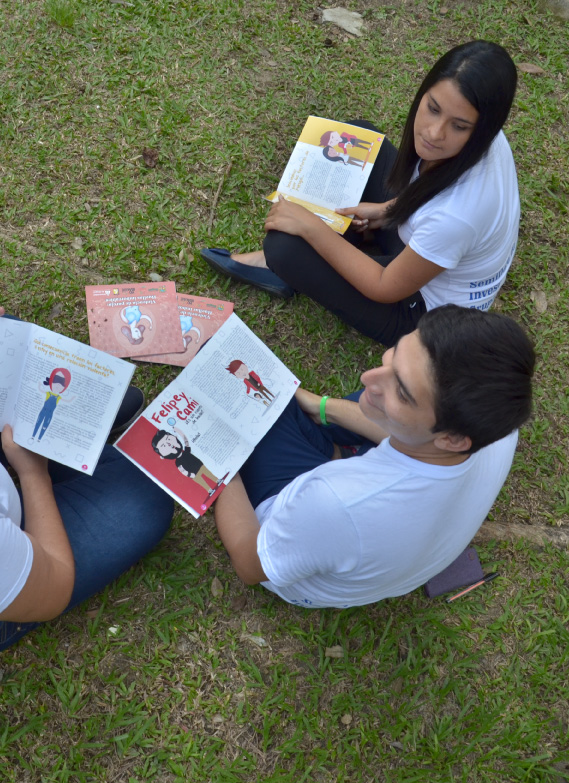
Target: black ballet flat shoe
{"x":220,"y":260}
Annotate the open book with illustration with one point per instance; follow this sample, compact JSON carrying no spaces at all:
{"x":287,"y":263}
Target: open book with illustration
{"x":329,"y":168}
{"x":59,"y":396}
{"x":201,"y":428}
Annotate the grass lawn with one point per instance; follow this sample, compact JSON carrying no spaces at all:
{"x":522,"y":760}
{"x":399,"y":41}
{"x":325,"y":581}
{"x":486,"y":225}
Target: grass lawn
{"x":163,"y":678}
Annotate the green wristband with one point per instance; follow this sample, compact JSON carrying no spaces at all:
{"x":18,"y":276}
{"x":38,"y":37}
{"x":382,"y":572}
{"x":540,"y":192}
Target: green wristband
{"x":323,"y":410}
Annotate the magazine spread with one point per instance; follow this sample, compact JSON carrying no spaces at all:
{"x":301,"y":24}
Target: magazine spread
{"x":134,"y":319}
{"x":198,"y":432}
{"x":329,"y":168}
{"x":200,"y":318}
{"x":59,"y":396}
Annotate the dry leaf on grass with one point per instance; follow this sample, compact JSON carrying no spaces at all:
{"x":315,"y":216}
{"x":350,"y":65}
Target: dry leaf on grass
{"x":346,"y":719}
{"x":155,"y":277}
{"x":150,"y":157}
{"x":238,"y":602}
{"x":350,"y":21}
{"x":55,"y":311}
{"x":536,"y":70}
{"x":216,"y":587}
{"x":337,"y":651}
{"x":77,"y":243}
{"x":540,"y":301}
{"x":256,"y":640}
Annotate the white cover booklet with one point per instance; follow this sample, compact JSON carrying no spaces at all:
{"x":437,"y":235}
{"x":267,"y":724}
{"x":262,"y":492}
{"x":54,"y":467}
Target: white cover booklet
{"x":59,"y":396}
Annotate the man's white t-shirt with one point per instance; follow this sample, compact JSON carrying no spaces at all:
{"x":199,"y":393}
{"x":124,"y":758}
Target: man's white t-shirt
{"x":357,"y":530}
{"x":16,"y":551}
{"x":471,"y":230}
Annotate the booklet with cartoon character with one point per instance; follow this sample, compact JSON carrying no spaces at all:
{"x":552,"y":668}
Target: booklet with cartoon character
{"x":197,"y":433}
{"x":329,"y":168}
{"x":59,"y":396}
{"x":134,"y":319}
{"x":200,"y":318}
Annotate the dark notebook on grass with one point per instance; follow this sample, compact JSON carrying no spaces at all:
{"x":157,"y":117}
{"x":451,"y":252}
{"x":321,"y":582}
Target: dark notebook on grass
{"x":464,"y":571}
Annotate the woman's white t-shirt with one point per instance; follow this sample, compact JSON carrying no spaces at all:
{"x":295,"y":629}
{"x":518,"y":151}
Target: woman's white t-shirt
{"x":471,"y":230}
{"x":16,"y":553}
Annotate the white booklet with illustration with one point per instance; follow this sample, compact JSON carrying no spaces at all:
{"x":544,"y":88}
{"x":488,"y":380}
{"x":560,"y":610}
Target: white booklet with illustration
{"x":201,"y":428}
{"x":329,"y":168}
{"x":59,"y":396}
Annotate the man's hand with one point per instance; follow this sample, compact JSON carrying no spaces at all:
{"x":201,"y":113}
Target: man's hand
{"x":24,"y":462}
{"x":309,"y":403}
{"x":292,"y":219}
{"x":367,"y":215}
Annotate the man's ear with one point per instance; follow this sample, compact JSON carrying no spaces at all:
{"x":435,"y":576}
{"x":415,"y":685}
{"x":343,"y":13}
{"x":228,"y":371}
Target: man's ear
{"x":447,"y":441}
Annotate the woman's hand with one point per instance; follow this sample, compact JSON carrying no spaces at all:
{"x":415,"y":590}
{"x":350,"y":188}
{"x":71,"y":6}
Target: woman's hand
{"x":2,"y":311}
{"x":292,"y":219}
{"x":367,"y":215}
{"x":24,"y":462}
{"x":309,"y":403}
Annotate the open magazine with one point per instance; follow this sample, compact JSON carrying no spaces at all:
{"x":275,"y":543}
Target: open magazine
{"x":329,"y":168}
{"x":197,"y":433}
{"x":59,"y":396}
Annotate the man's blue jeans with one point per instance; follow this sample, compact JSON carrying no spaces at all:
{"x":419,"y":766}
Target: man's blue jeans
{"x":293,"y":446}
{"x":112,"y":519}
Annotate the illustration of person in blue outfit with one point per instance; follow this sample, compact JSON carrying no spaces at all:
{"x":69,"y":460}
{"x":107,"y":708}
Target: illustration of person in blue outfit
{"x":57,"y":384}
{"x":132,"y":316}
{"x":187,"y":326}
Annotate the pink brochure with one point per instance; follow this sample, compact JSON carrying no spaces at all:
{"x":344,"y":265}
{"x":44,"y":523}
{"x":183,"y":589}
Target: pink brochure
{"x":134,"y":319}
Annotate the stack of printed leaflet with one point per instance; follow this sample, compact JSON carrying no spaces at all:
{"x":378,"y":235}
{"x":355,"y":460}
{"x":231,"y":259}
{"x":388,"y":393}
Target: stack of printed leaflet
{"x":151,"y":322}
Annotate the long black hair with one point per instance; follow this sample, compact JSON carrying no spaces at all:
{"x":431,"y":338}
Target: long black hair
{"x":486,"y":76}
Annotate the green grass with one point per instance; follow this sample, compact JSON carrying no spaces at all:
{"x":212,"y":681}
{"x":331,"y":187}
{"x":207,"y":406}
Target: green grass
{"x":179,"y":690}
{"x":62,"y":12}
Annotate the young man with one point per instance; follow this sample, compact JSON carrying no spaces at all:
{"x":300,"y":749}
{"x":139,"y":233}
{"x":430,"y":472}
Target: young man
{"x":444,"y":408}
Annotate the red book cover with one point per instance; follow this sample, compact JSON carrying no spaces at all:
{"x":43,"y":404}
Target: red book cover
{"x":134,"y":319}
{"x":200,"y":318}
{"x":190,"y":482}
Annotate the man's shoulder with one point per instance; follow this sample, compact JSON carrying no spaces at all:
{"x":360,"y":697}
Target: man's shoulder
{"x":501,"y":450}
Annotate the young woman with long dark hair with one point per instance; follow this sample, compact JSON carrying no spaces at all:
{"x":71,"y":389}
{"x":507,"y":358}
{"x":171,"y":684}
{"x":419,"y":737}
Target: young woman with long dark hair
{"x":444,"y":211}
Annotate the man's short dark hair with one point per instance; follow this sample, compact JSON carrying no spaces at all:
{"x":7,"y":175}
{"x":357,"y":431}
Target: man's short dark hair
{"x":483,"y":365}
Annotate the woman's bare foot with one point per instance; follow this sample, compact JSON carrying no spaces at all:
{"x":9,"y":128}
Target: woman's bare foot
{"x":257,"y":258}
